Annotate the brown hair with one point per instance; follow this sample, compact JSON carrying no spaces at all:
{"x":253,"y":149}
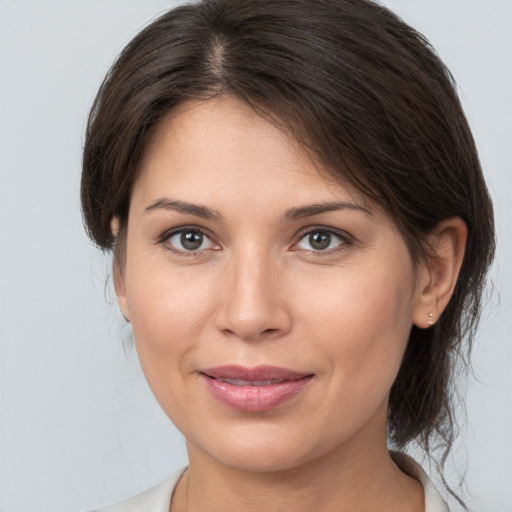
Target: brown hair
{"x":365,"y":94}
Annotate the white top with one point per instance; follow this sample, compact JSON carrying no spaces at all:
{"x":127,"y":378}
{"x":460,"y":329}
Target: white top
{"x":158,"y":498}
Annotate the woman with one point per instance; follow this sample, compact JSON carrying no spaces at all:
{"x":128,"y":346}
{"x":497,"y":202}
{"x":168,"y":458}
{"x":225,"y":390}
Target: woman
{"x":301,"y":233}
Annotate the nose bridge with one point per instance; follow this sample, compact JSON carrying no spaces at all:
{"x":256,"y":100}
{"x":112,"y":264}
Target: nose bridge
{"x":253,"y":304}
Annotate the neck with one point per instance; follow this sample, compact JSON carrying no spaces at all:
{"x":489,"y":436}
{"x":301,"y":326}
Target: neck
{"x":344,"y":480}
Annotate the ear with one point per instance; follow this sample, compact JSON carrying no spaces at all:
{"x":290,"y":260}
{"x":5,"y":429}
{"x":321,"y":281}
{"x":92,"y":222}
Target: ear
{"x":438,"y":278}
{"x":118,"y":273}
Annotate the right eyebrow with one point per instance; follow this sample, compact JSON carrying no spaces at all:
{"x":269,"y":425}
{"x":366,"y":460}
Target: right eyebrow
{"x":197,"y":210}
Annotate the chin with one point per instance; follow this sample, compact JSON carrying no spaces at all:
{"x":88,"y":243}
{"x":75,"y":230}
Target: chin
{"x":259,"y":450}
{"x":258,"y":459}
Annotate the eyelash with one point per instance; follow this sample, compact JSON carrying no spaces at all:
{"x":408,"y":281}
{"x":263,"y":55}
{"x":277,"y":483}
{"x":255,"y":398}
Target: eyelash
{"x":345,"y":240}
{"x":166,"y":237}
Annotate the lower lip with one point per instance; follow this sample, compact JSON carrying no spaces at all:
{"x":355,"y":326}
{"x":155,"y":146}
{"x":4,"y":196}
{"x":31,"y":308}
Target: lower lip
{"x":255,"y":398}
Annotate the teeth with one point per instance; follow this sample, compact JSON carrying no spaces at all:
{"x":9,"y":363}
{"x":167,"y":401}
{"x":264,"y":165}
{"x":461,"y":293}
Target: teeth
{"x":239,"y":382}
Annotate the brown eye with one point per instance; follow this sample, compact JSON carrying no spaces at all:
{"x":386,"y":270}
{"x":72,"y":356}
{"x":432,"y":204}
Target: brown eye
{"x":319,"y":240}
{"x":190,"y":240}
{"x":322,"y":240}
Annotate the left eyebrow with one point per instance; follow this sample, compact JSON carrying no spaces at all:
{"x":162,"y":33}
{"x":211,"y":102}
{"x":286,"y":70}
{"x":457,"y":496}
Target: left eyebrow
{"x":316,"y":209}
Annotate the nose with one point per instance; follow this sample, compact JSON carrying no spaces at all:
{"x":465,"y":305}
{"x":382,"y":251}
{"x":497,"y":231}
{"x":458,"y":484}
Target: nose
{"x":253,"y":304}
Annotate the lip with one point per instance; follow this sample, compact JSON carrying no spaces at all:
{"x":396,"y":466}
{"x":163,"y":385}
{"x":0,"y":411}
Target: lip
{"x":256,"y":389}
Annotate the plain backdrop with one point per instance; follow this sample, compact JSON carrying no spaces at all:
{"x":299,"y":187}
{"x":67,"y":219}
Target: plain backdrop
{"x":78,"y":426}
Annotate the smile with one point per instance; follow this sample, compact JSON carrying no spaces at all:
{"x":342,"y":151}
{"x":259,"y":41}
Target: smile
{"x":254,"y":389}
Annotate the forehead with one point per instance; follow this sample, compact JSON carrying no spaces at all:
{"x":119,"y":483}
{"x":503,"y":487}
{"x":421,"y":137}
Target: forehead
{"x":204,"y":147}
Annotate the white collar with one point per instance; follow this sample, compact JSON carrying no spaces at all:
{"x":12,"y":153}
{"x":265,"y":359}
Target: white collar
{"x":433,"y":500}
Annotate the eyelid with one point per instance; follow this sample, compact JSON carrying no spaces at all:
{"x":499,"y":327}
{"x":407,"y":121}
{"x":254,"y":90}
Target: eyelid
{"x":346,"y":239}
{"x":166,"y":235}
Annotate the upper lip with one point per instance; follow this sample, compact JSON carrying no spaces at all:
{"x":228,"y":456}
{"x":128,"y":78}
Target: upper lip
{"x":254,"y":374}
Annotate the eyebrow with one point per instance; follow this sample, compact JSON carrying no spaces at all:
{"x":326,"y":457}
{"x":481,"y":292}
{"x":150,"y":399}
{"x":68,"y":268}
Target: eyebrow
{"x":316,"y":209}
{"x":183,"y":207}
{"x":291,"y":214}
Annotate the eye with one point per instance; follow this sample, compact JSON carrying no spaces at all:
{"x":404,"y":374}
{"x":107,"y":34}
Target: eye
{"x":319,"y":240}
{"x":189,"y":240}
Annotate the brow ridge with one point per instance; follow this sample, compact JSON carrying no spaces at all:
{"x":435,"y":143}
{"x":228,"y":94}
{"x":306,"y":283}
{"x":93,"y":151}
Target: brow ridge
{"x":318,"y":208}
{"x":291,"y":214}
{"x":197,"y":210}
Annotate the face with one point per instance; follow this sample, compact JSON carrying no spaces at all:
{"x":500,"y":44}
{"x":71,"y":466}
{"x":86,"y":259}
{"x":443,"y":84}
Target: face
{"x":270,"y":305}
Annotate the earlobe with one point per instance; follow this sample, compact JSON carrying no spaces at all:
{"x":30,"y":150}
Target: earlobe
{"x":446,"y":253}
{"x":117,"y":272}
{"x":120,"y":289}
{"x":115,"y":226}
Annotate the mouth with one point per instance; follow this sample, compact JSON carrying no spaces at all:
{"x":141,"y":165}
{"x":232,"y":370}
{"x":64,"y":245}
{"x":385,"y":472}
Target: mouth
{"x":255,"y":389}
{"x":240,"y":382}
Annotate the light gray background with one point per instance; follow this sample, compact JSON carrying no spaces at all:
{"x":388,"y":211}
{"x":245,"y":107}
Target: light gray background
{"x":78,"y":426}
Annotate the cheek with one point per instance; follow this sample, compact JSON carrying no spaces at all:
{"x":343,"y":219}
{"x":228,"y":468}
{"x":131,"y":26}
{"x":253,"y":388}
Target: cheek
{"x":168,"y":312}
{"x":160,"y":299}
{"x":362,"y":322}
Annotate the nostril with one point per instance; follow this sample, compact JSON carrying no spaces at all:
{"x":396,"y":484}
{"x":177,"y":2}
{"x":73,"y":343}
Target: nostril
{"x":269,"y":334}
{"x":250,"y":320}
{"x":266,"y":333}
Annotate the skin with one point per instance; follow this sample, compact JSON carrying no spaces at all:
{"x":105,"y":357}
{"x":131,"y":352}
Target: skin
{"x":258,"y":292}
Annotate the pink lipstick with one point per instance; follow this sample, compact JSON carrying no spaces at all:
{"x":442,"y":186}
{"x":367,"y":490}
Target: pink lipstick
{"x":255,"y":389}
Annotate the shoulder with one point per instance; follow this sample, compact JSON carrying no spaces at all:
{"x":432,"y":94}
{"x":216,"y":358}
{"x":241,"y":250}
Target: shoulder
{"x":433,"y":500}
{"x":155,"y":499}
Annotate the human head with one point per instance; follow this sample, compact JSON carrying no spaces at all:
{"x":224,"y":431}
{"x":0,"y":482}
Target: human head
{"x":363,"y":93}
